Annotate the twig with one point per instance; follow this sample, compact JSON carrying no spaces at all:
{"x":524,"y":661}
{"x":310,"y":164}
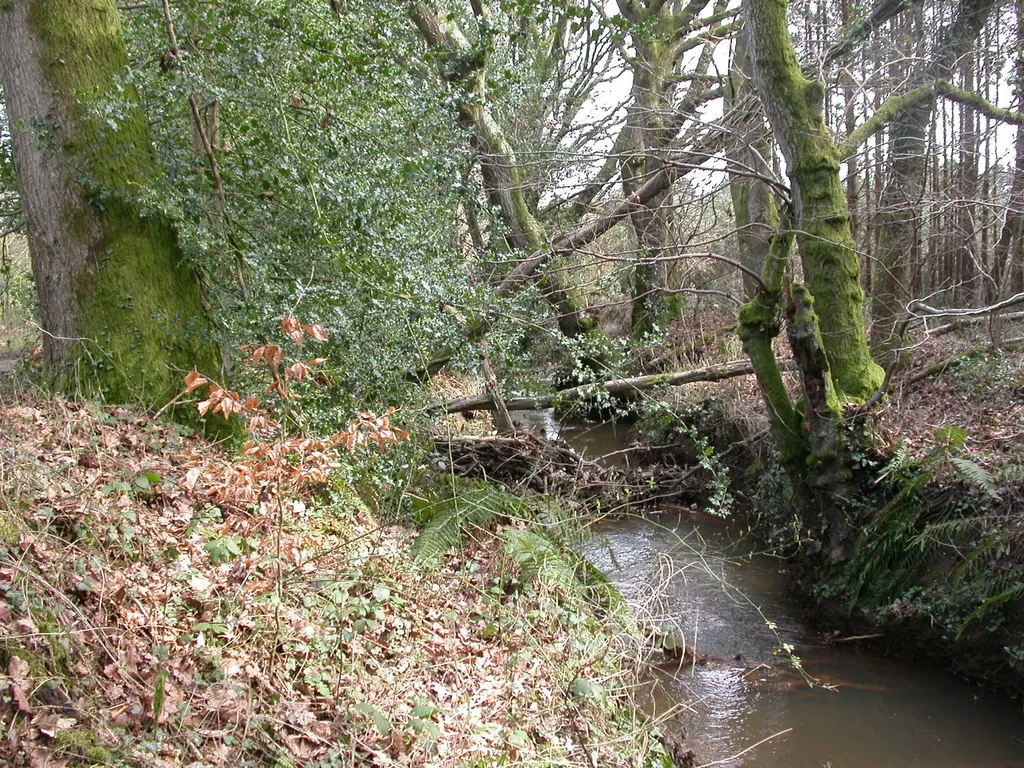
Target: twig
{"x":748,"y":749}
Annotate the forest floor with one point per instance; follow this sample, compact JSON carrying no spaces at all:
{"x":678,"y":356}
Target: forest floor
{"x":954,"y":382}
{"x":161,"y":606}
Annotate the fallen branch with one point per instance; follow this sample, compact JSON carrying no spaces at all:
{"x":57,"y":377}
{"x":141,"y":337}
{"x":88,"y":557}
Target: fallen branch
{"x":942,"y":330}
{"x":920,"y":308}
{"x":554,"y":468}
{"x":626,"y":386}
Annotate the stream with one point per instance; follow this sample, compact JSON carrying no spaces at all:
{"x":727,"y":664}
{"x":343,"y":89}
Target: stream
{"x":699,"y":576}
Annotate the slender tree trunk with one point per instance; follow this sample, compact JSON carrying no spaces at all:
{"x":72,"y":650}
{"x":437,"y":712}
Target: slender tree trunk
{"x":1007,"y":267}
{"x":757,"y":219}
{"x":504,"y":179}
{"x":899,"y":236}
{"x":120,"y":310}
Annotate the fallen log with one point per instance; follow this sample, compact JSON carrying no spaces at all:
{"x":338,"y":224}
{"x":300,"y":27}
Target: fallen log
{"x":626,"y":386}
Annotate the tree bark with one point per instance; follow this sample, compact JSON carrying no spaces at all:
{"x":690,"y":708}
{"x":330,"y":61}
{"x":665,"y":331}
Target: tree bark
{"x":831,"y":265}
{"x":749,"y":148}
{"x":487,"y":402}
{"x":120,"y":310}
{"x":904,"y":185}
{"x":503,"y":176}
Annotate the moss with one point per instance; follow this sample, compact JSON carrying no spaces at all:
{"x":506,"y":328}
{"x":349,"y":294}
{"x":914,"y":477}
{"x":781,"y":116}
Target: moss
{"x":138,"y":302}
{"x":12,"y":526}
{"x":829,"y":254}
{"x":759,"y":325}
{"x":82,"y":743}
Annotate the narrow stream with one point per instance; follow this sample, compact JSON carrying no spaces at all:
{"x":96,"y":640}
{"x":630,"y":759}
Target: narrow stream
{"x":693,"y":573}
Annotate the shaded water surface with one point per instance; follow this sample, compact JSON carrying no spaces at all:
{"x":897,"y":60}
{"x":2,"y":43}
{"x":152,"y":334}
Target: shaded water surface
{"x":697,"y":575}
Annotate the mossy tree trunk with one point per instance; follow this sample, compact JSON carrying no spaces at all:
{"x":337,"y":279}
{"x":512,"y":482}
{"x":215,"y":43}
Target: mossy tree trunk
{"x":465,"y":66}
{"x":120,"y":310}
{"x":765,"y":245}
{"x":661,"y":33}
{"x":748,"y":151}
{"x":793,"y":105}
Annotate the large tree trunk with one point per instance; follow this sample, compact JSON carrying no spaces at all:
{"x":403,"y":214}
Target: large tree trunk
{"x":793,"y":105}
{"x":660,"y":35}
{"x":120,"y":311}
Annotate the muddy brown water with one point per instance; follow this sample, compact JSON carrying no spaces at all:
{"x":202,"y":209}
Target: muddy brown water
{"x":700,"y":576}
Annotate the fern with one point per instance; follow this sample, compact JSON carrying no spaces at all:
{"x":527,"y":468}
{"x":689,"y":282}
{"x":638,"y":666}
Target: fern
{"x":539,"y":559}
{"x":1012,"y":475}
{"x":897,"y":462}
{"x":1010,"y":594}
{"x":975,"y":475}
{"x":570,"y":573}
{"x":446,"y":522}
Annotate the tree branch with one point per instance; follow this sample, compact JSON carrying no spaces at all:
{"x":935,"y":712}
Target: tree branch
{"x":658,"y":183}
{"x":891,"y":107}
{"x":616,"y":387}
{"x":920,"y":308}
{"x":977,"y":103}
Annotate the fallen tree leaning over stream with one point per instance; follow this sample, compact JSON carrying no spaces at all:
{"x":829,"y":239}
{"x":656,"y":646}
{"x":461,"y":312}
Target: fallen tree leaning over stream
{"x":628,"y":386}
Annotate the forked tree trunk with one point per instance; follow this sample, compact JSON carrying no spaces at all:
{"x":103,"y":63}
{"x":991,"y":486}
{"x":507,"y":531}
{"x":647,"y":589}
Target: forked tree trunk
{"x":793,"y":106}
{"x":120,"y":310}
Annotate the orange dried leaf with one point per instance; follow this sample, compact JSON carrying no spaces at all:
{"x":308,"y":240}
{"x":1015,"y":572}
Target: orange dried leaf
{"x":291,"y":328}
{"x":296,"y":371}
{"x":194,"y":381}
{"x":274,"y":356}
{"x":317,"y":331}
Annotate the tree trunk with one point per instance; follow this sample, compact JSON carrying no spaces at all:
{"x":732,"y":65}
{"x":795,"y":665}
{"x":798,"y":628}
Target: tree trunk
{"x":757,"y":219}
{"x":831,"y":264}
{"x":904,"y":185}
{"x":1006,"y":269}
{"x":121,"y":312}
{"x":502,"y":173}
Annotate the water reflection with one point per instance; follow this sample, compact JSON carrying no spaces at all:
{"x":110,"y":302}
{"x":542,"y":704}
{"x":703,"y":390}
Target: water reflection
{"x":701,"y":578}
{"x":884,"y":712}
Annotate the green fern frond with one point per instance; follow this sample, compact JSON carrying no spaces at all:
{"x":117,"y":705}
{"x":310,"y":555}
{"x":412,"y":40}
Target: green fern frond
{"x":1008,"y":595}
{"x":539,"y":559}
{"x":975,"y":475}
{"x":1013,"y":475}
{"x":576,"y":578}
{"x":446,"y":523}
{"x":897,"y":462}
{"x":955,"y":531}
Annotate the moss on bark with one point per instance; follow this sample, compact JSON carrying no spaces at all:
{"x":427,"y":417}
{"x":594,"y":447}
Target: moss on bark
{"x":831,"y":264}
{"x":135,"y":302}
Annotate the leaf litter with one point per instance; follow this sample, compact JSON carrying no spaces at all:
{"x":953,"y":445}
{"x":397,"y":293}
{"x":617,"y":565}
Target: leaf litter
{"x":159,"y":607}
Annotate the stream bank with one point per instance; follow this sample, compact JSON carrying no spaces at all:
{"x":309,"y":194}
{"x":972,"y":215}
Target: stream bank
{"x":702,"y":578}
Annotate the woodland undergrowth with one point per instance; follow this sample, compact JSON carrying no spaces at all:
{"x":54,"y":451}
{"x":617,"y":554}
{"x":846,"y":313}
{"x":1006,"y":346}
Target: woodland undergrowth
{"x":168,"y":601}
{"x":159,"y":605}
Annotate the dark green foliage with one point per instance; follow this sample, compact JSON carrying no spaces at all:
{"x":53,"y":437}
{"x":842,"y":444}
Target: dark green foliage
{"x":938,"y":549}
{"x":339,"y":178}
{"x":542,"y":550}
{"x":449,"y":521}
